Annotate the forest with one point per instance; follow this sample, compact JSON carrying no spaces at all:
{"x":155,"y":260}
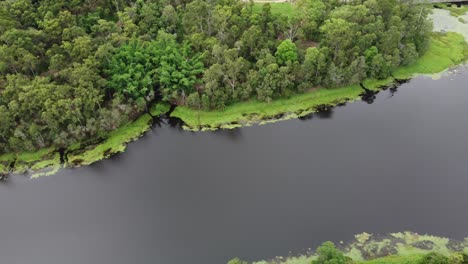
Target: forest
{"x":75,"y":70}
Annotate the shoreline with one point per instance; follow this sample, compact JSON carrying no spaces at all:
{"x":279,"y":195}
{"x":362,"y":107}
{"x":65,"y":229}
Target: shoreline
{"x":446,"y":51}
{"x":45,"y":162}
{"x":401,"y":247}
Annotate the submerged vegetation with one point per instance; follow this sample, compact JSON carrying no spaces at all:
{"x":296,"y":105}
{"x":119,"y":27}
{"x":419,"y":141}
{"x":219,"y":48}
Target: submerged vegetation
{"x":396,"y":248}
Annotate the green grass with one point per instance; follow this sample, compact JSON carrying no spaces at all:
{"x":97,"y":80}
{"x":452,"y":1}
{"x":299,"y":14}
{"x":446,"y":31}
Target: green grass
{"x":286,"y":9}
{"x":412,"y":259}
{"x":115,"y":143}
{"x":446,"y":50}
{"x":3,"y":169}
{"x":29,"y":157}
{"x":375,"y":85}
{"x":159,"y":109}
{"x":24,"y":160}
{"x":53,"y":161}
{"x":7,"y":157}
{"x":246,"y":113}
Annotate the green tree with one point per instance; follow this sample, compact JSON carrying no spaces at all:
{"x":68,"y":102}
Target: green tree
{"x":328,"y":254}
{"x":434,"y":258}
{"x":179,"y":72}
{"x":287,"y":51}
{"x":133,"y":69}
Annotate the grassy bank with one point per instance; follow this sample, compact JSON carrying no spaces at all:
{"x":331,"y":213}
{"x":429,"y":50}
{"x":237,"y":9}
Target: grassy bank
{"x":117,"y":140}
{"x":47,"y":161}
{"x":246,"y":113}
{"x":406,"y":247}
{"x":446,"y":50}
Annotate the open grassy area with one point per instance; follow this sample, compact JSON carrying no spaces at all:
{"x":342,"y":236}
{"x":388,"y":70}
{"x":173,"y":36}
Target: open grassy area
{"x":286,"y":9}
{"x":245,"y":113}
{"x":446,"y":50}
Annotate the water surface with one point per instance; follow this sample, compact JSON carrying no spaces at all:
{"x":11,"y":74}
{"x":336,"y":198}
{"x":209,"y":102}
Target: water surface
{"x":178,"y":197}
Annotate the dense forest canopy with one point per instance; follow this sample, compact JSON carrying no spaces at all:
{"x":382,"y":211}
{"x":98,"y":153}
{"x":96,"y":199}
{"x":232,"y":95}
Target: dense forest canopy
{"x":74,"y":70}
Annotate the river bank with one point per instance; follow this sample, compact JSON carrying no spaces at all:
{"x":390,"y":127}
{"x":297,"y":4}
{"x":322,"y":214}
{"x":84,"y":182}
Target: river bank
{"x":48,"y":161}
{"x":403,"y":247}
{"x":447,"y":49}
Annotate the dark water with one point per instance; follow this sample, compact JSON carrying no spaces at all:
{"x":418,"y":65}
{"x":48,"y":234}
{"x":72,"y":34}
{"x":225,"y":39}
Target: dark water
{"x":179,"y":197}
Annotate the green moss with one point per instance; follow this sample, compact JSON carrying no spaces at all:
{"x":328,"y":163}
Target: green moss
{"x":446,"y":50}
{"x":52,"y":162}
{"x":375,"y":85}
{"x":29,"y":157}
{"x":286,"y":9}
{"x":246,"y":113}
{"x":7,"y":157}
{"x":115,"y":143}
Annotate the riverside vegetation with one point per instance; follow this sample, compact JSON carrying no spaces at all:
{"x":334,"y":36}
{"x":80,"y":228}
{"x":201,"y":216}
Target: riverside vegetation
{"x":396,"y":248}
{"x":77,"y":73}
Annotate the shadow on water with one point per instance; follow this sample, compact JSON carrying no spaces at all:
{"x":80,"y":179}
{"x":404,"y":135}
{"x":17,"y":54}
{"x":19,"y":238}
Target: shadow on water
{"x":324,"y":112}
{"x":368,"y":96}
{"x":175,"y":122}
{"x":393,"y":90}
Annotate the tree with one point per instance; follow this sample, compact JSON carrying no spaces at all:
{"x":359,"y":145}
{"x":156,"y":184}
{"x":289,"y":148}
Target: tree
{"x":133,"y":69}
{"x":328,"y":254}
{"x":287,"y":51}
{"x":434,"y":258}
{"x":179,"y":72}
